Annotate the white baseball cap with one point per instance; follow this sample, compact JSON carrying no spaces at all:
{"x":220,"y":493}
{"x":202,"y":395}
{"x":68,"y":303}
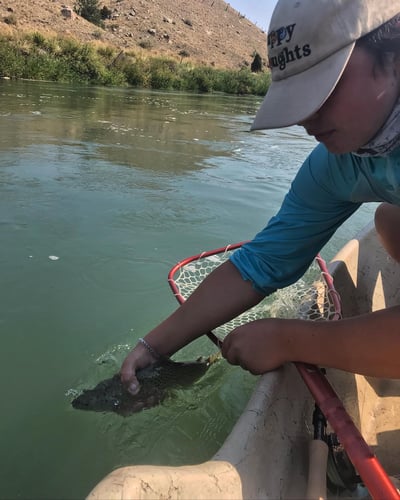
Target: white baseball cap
{"x":309,"y":44}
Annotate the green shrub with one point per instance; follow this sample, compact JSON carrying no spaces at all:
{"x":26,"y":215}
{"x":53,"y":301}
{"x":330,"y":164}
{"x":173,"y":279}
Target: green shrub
{"x":50,"y":45}
{"x":145,"y":44}
{"x":105,"y":13}
{"x":63,"y":59}
{"x":107,"y":52}
{"x":38,"y":39}
{"x":97,"y":35}
{"x":11,"y":59}
{"x":262,"y":83}
{"x":89,"y":10}
{"x":136,"y":73}
{"x":167,"y":74}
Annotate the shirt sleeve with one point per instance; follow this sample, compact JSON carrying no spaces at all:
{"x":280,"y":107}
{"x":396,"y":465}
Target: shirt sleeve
{"x":318,"y":202}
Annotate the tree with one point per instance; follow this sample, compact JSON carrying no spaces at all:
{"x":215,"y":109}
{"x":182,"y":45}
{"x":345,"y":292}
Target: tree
{"x":256,"y":65}
{"x":89,"y":10}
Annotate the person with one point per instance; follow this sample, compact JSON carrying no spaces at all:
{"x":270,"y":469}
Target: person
{"x":335,"y":68}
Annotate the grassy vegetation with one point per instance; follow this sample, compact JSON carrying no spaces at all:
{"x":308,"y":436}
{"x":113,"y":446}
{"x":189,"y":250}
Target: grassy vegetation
{"x":35,"y":56}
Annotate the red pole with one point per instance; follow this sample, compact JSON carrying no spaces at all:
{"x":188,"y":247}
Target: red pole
{"x":366,"y":463}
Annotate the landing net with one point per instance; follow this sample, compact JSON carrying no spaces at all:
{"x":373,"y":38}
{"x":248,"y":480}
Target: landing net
{"x":313,"y":297}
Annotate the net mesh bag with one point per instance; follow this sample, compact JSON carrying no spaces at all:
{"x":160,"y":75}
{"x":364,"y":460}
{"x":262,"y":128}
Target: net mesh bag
{"x":313,"y":297}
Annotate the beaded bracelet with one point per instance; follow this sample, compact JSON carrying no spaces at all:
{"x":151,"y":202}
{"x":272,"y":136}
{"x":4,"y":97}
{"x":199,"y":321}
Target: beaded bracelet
{"x":152,"y":351}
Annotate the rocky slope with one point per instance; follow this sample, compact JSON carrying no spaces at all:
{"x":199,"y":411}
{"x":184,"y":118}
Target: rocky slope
{"x":208,"y":32}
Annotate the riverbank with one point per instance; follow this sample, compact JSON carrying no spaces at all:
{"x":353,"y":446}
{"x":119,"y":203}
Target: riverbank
{"x":209,"y":32}
{"x":60,"y":59}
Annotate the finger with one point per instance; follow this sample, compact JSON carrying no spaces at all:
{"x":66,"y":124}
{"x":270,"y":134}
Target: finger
{"x":133,"y":386}
{"x":226,"y":344}
{"x":230,"y":354}
{"x":127,"y":370}
{"x":128,"y":376}
{"x":225,"y":348}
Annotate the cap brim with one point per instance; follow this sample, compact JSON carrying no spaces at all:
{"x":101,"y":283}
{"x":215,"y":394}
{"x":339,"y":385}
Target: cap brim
{"x":293,"y":99}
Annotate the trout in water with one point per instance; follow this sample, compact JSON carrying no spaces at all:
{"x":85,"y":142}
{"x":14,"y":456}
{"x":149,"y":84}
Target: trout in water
{"x":156,"y":382}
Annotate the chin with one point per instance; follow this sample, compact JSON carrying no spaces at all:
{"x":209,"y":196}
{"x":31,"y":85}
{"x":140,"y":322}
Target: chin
{"x":339,"y":149}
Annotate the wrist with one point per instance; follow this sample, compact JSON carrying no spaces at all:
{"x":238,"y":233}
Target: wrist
{"x":151,"y":350}
{"x":294,"y":337}
{"x":309,"y":341}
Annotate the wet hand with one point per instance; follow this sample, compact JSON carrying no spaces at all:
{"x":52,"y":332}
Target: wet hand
{"x":138,"y":358}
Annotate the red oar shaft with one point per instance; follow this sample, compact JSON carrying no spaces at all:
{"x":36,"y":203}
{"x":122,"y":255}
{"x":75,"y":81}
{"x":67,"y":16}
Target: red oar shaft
{"x":366,"y":463}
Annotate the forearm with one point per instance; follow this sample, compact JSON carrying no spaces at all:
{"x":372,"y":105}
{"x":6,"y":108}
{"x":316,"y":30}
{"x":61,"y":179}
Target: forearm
{"x":368,"y":344}
{"x":220,"y":297}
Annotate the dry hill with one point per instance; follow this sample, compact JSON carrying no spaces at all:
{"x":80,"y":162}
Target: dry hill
{"x":210,"y":32}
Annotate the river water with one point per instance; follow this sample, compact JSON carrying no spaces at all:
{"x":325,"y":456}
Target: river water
{"x":101,"y":192}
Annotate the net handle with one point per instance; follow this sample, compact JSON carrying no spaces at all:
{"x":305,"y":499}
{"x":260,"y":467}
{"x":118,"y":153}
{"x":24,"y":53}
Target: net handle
{"x":366,"y":463}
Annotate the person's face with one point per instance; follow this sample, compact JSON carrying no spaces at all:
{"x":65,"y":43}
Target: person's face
{"x":359,"y":105}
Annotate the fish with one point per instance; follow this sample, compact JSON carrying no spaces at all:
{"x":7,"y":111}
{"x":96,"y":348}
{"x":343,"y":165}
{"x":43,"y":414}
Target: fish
{"x":157,"y":381}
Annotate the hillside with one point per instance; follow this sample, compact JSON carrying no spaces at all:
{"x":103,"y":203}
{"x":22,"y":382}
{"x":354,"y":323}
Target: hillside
{"x":207,"y":32}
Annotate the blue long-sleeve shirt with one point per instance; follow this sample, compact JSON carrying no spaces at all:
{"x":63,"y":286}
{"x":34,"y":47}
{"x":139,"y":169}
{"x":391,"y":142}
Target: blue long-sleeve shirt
{"x":326,"y":191}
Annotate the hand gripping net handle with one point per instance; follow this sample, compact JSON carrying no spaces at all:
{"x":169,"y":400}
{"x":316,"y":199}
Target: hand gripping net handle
{"x":187,"y":274}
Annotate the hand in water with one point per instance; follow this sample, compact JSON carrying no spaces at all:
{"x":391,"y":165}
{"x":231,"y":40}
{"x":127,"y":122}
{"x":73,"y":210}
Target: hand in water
{"x":138,"y":358}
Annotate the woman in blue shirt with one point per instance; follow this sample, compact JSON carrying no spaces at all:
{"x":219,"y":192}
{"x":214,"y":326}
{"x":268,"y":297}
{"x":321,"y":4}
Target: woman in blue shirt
{"x":335,"y":67}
